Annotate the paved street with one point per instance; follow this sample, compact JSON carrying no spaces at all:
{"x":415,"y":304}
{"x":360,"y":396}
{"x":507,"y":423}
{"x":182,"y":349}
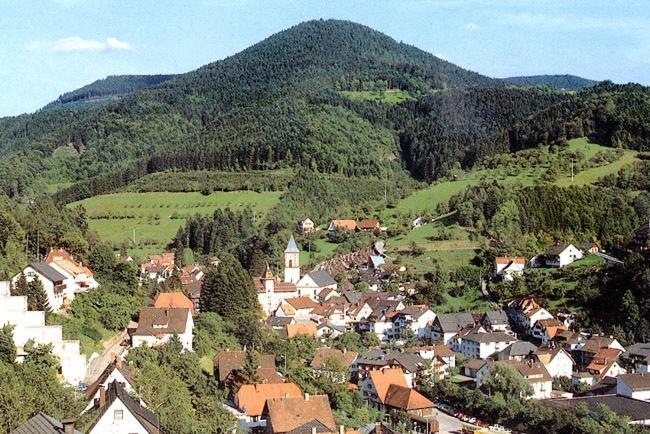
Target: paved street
{"x":98,"y":364}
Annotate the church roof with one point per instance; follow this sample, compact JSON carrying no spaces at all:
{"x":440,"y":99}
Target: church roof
{"x":291,"y":246}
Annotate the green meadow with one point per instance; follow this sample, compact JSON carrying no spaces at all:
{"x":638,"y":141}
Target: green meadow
{"x":148,"y":221}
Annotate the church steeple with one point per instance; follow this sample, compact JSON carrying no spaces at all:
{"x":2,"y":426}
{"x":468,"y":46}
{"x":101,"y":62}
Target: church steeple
{"x":292,"y":262}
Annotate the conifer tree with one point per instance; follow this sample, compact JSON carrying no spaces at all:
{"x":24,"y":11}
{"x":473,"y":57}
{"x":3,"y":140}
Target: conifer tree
{"x":248,"y":373}
{"x":7,"y":346}
{"x":36,"y":296}
{"x":20,"y":288}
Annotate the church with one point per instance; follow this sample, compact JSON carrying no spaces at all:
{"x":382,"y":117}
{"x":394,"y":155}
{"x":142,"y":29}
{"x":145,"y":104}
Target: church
{"x":272,"y":291}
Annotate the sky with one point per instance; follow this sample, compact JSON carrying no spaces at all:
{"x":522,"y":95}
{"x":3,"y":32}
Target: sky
{"x":48,"y":47}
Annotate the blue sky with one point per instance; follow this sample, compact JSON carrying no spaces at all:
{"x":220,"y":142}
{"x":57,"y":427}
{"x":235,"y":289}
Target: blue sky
{"x":48,"y":47}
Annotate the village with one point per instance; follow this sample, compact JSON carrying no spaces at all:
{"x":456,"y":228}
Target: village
{"x":409,"y":346}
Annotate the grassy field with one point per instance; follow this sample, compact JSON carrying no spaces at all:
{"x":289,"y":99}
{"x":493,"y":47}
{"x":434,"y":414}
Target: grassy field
{"x":426,"y":200}
{"x":154,"y":218}
{"x":389,"y":96}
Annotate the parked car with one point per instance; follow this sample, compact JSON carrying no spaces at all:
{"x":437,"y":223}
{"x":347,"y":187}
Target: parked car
{"x":81,"y":387}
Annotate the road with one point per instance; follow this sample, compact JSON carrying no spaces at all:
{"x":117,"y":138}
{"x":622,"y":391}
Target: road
{"x":98,"y":364}
{"x":448,"y":424}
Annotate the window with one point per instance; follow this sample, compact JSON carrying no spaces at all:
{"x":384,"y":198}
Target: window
{"x":118,"y":414}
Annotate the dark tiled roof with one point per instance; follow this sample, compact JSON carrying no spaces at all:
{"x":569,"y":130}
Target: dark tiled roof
{"x":162,"y":320}
{"x":639,"y":350}
{"x":124,"y":370}
{"x":623,"y":406}
{"x":279,"y":321}
{"x":41,"y":423}
{"x":145,"y":417}
{"x":497,"y":317}
{"x":557,"y":249}
{"x":490,"y":337}
{"x":636,"y":382}
{"x":322,"y":278}
{"x":406,"y":398}
{"x":47,"y":271}
{"x":226,"y":362}
{"x":452,"y":322}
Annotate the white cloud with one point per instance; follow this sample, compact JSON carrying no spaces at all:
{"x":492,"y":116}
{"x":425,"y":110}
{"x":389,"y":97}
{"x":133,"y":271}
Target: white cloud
{"x":78,"y":44}
{"x":471,"y":27}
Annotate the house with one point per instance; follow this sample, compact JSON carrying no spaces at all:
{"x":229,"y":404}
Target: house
{"x":345,"y":225}
{"x":297,"y":307}
{"x":376,"y":262}
{"x":509,"y":267}
{"x":306,"y":414}
{"x":42,"y":423}
{"x":447,"y":325}
{"x":278,"y":323}
{"x":371,"y":225}
{"x":414,"y":319}
{"x":250,"y":400}
{"x":558,"y":362}
{"x":591,"y":346}
{"x":419,"y":222}
{"x":192,"y":277}
{"x":307,"y":226}
{"x":635,"y":386}
{"x":525,"y":312}
{"x":569,"y":340}
{"x":496,"y":321}
{"x":642,"y":236}
{"x":476,"y":345}
{"x":314,"y":283}
{"x":546,"y":329}
{"x":174,"y":300}
{"x":635,"y":411}
{"x":227,"y":364}
{"x":158,"y":267}
{"x":519,"y":350}
{"x":327,"y":358}
{"x":156,"y":326}
{"x":561,"y":255}
{"x":117,"y":412}
{"x":114,"y":371}
{"x":605,"y":363}
{"x":638,"y":355}
{"x":333,"y":313}
{"x":327,"y":293}
{"x":65,"y":263}
{"x":476,"y":368}
{"x":410,"y":401}
{"x":375,"y":386}
{"x":411,"y":365}
{"x":59,"y":288}
{"x":30,"y":325}
{"x":328,"y":329}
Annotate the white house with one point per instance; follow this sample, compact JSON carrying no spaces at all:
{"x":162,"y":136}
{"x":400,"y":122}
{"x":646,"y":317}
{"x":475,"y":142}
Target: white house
{"x":419,"y":222}
{"x":446,"y":325}
{"x":58,"y":287}
{"x":156,"y":326}
{"x":306,"y":226}
{"x":546,"y":329}
{"x":66,"y":264}
{"x":639,"y":356}
{"x":636,"y":386}
{"x":119,"y":413}
{"x":557,"y":361}
{"x":562,"y":254}
{"x":483,"y":345}
{"x":114,"y":371}
{"x":535,"y":373}
{"x":415,"y":318}
{"x":315,"y":282}
{"x":509,"y":267}
{"x":297,"y":307}
{"x":496,"y":321}
{"x":30,"y":325}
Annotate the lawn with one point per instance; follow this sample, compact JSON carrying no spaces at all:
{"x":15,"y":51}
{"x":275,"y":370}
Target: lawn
{"x":427,"y":200}
{"x":387,"y":96}
{"x":587,"y":261}
{"x":148,"y":221}
{"x":321,"y":249}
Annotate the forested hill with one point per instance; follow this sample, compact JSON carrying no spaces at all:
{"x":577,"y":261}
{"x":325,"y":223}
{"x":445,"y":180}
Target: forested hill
{"x":106,"y":89}
{"x":313,"y":96}
{"x":566,"y":81}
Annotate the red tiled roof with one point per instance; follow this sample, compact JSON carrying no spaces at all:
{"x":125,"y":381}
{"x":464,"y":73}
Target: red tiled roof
{"x":405,"y":398}
{"x":252,"y":397}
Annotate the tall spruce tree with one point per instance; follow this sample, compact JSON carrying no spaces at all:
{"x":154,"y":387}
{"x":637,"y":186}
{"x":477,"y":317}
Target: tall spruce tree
{"x":7,"y":347}
{"x":248,"y":373}
{"x":20,"y":287}
{"x":36,"y":296}
{"x":228,"y":290}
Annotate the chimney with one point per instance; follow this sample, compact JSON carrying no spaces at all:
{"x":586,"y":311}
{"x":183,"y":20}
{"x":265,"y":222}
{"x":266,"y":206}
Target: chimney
{"x":68,"y":425}
{"x":306,"y":397}
{"x":118,"y":361}
{"x":313,"y":430}
{"x":102,"y":396}
{"x":341,"y":429}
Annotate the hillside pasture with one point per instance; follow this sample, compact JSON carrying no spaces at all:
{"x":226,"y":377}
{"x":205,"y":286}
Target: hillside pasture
{"x":148,"y":221}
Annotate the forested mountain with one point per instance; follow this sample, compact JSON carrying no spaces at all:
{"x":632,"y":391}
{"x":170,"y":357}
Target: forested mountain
{"x":566,"y":81}
{"x":288,"y":101}
{"x":104,"y":90}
